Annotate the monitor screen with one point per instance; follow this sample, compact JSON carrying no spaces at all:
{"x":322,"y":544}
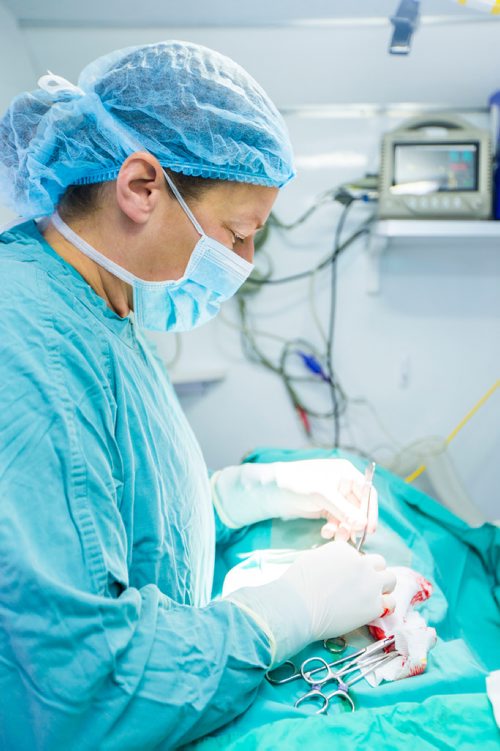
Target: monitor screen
{"x":452,"y":166}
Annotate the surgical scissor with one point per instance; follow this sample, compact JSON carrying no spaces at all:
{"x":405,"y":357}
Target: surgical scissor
{"x":289,"y":671}
{"x":316,"y":695}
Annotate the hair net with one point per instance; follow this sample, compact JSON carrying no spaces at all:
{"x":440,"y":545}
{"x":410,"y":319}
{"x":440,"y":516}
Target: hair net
{"x":196,"y":110}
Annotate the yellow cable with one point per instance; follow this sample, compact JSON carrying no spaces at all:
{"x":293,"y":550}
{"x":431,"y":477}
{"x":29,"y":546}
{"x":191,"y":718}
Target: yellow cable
{"x":458,"y":428}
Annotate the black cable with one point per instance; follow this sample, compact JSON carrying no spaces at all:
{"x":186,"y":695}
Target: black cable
{"x":340,"y":194}
{"x":304,"y":274}
{"x":253,"y":352}
{"x":288,"y":349}
{"x":274,"y":221}
{"x":331,"y":325}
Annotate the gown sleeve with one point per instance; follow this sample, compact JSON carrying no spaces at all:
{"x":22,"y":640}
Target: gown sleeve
{"x":87,"y":661}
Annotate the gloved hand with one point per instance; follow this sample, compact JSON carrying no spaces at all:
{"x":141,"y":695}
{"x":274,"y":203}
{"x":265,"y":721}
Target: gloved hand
{"x":331,"y":489}
{"x":326,"y":592}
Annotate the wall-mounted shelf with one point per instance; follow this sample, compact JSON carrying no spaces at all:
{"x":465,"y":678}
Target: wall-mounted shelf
{"x":386,"y":230}
{"x":196,"y":382}
{"x":436,"y":228}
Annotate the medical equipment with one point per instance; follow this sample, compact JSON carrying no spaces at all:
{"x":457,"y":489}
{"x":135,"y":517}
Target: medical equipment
{"x":332,"y":675}
{"x":319,"y":364}
{"x":407,"y":17}
{"x":369,"y":473}
{"x":336,"y":645}
{"x":316,"y":695}
{"x":494,"y":104}
{"x":436,"y":166}
{"x":288,"y":671}
{"x":405,"y":22}
{"x":318,"y":673}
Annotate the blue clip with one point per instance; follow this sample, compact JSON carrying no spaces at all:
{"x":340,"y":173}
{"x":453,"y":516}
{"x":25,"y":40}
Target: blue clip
{"x":405,"y":23}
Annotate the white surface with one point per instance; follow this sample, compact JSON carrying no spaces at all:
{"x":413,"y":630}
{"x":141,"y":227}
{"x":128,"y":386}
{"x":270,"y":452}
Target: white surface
{"x":196,"y":383}
{"x":203,"y":375}
{"x":439,"y":231}
{"x":217,"y":12}
{"x":437,"y":228}
{"x":437,"y":315}
{"x":16,"y":74}
{"x":317,"y":66}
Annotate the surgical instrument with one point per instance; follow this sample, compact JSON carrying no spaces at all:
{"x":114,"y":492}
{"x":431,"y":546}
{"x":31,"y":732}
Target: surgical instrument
{"x":333,"y":675}
{"x":315,"y":695}
{"x":288,"y":671}
{"x":335,"y":645}
{"x":369,"y":473}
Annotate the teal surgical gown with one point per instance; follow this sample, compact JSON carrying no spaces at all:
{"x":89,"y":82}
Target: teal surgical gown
{"x":107,"y":536}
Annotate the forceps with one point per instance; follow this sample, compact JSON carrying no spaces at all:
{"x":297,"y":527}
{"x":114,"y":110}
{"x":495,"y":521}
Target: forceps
{"x":369,"y":473}
{"x":316,"y":681}
{"x":335,"y":645}
{"x":289,"y":671}
{"x":317,"y":696}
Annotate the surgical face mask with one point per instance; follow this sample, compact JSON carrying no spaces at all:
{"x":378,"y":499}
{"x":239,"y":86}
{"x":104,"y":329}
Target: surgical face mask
{"x":213,"y":274}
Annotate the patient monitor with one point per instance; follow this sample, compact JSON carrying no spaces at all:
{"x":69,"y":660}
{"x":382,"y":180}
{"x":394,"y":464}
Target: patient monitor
{"x":436,"y":166}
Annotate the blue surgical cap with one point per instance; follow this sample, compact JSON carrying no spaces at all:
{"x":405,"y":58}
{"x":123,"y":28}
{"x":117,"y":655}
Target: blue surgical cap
{"x":196,"y":110}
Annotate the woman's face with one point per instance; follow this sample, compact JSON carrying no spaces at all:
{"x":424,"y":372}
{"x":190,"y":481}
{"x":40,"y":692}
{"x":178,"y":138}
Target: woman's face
{"x":139,"y":225}
{"x":157,"y":237}
{"x":232,"y":213}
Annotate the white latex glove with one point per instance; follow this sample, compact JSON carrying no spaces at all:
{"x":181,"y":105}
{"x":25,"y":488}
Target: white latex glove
{"x":330,"y":489}
{"x":326,"y":592}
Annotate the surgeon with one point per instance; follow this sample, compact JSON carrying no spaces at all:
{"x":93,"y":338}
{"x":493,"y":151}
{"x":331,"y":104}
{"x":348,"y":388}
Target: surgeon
{"x":148,"y":181}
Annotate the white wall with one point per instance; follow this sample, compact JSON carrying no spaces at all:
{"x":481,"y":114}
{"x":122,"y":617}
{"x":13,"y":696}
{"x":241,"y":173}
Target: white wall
{"x":439,"y":305}
{"x":16,"y":71}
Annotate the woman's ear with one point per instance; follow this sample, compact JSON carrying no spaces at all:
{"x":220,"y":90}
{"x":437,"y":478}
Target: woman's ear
{"x":139,"y":186}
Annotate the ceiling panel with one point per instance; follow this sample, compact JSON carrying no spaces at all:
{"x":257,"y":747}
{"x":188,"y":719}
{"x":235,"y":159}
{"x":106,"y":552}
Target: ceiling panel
{"x":219,"y":13}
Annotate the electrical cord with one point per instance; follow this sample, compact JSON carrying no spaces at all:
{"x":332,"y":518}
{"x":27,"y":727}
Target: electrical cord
{"x":326,"y":197}
{"x":280,"y":368}
{"x":300,"y":347}
{"x":314,"y":365}
{"x":320,"y":366}
{"x":363,"y":230}
{"x":331,"y":324}
{"x":314,"y":311}
{"x":312,"y":359}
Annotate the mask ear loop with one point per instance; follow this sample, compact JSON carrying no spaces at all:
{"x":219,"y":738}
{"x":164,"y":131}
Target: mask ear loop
{"x":183,"y":203}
